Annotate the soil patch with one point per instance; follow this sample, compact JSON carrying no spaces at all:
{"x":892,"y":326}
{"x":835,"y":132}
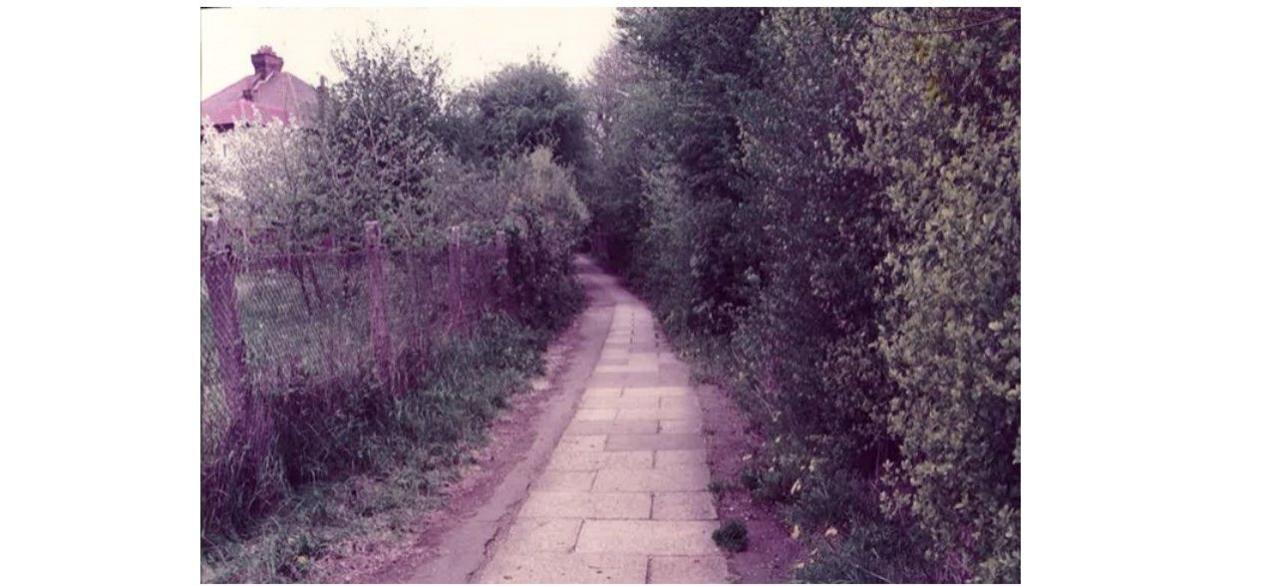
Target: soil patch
{"x":731,"y":442}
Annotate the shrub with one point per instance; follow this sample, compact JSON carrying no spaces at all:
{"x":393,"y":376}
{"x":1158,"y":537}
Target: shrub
{"x":544,"y":221}
{"x":731,"y":536}
{"x":254,"y":181}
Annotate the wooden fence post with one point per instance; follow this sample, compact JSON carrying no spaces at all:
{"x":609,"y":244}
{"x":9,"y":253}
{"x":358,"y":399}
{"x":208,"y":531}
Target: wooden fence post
{"x":379,"y":336}
{"x":219,"y":272}
{"x":455,"y":275}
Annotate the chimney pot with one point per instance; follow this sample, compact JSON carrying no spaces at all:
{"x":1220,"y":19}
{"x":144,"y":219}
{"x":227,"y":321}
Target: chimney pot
{"x":266,"y":62}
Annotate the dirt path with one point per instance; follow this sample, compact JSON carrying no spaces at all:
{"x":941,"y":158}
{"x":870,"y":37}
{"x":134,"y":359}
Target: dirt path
{"x":613,"y":484}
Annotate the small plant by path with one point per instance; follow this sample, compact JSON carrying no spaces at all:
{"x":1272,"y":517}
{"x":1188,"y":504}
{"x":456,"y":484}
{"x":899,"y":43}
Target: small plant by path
{"x":731,"y":536}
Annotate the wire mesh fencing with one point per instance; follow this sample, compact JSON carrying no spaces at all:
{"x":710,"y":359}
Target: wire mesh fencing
{"x":307,"y":331}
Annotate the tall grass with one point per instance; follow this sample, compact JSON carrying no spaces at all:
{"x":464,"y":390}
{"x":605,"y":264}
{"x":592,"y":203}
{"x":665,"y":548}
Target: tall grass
{"x":353,"y":462}
{"x":327,"y":445}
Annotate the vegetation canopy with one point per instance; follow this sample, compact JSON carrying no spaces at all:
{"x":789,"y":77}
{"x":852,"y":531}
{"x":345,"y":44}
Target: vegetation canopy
{"x":823,"y":205}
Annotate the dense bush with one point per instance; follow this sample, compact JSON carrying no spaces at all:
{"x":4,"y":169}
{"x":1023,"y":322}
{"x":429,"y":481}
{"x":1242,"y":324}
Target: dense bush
{"x":943,"y":119}
{"x":543,"y":222}
{"x":519,"y":109}
{"x":819,"y":216}
{"x":696,"y":60}
{"x":825,"y":204}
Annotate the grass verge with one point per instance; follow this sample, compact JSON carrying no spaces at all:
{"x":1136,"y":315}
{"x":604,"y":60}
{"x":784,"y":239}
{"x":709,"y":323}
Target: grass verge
{"x":357,"y":476}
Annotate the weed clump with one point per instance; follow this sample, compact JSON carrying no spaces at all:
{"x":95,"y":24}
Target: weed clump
{"x":731,"y":536}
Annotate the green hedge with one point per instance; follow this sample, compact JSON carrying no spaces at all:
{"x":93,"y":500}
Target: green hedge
{"x":825,"y":203}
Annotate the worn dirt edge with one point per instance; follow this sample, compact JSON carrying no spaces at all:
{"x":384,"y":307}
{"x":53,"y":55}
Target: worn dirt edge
{"x":771,"y":553}
{"x":455,"y":539}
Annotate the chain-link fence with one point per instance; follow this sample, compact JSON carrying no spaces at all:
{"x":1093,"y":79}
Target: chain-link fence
{"x":305,"y":331}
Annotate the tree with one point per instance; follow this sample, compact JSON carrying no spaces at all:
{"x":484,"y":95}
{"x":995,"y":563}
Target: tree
{"x":380,"y":129}
{"x":523,"y":107}
{"x":701,"y":59}
{"x":626,"y":108}
{"x":257,"y":182}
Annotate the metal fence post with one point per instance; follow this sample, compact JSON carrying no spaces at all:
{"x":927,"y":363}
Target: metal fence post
{"x":379,"y":336}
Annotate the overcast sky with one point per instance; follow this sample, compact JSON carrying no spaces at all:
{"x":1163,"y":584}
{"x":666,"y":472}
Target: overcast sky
{"x":476,"y":40}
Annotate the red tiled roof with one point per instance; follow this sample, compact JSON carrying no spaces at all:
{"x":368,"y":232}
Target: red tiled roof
{"x":270,"y":91}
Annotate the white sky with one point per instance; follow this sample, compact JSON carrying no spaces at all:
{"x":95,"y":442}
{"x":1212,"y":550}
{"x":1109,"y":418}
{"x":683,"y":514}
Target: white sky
{"x":476,"y":40}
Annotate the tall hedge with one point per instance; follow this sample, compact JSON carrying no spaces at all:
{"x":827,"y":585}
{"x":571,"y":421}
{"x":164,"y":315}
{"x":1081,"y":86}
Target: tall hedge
{"x":699,"y":58}
{"x":820,"y":217}
{"x":943,"y":121}
{"x":826,"y":203}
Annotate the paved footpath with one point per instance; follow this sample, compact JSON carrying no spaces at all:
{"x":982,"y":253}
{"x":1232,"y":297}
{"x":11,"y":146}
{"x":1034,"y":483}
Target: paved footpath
{"x":624,"y":497}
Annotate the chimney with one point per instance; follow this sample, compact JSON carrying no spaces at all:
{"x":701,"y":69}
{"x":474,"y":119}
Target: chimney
{"x":266,"y":62}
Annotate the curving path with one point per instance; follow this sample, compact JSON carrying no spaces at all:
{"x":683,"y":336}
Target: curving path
{"x":623,"y":495}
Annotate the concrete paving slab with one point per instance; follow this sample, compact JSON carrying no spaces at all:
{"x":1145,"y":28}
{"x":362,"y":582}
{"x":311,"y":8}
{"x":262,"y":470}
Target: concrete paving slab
{"x":530,"y":535}
{"x":577,"y":443}
{"x":591,"y":461}
{"x":624,"y":495}
{"x":685,"y":478}
{"x":611,"y":427}
{"x":664,"y":377}
{"x":684,"y":506}
{"x":669,"y":458}
{"x":679,"y":412}
{"x":664,"y":391}
{"x":643,"y":367}
{"x":595,"y":414}
{"x":670,"y":426}
{"x":675,"y":402}
{"x":674,"y":441}
{"x":564,"y":481}
{"x":711,"y":569}
{"x":633,"y":413}
{"x":647,"y":537}
{"x":595,"y":392}
{"x":565,"y":568}
{"x":619,"y":402}
{"x":638,"y":413}
{"x":592,"y":505}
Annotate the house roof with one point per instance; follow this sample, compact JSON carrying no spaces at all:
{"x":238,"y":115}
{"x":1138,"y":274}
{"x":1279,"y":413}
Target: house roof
{"x":269,"y":91}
